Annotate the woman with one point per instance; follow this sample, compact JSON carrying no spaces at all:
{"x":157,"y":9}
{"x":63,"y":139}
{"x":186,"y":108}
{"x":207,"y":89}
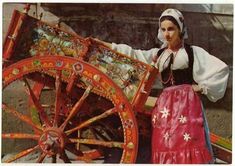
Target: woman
{"x":180,"y":132}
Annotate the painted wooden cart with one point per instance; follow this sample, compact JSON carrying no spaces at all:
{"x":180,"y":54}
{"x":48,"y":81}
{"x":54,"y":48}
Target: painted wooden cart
{"x":79,"y":100}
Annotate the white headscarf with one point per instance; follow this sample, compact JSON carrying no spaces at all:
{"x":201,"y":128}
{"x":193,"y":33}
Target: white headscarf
{"x":178,"y":16}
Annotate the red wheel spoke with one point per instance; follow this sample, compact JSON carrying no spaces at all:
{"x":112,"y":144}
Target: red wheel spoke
{"x":62,"y":117}
{"x":58,"y":98}
{"x":41,"y":158}
{"x":109,"y":144}
{"x":37,"y":87}
{"x":22,"y":117}
{"x":76,"y":107}
{"x":21,"y":154}
{"x":37,"y":104}
{"x":92,"y":120}
{"x":71,"y":83}
{"x":20,"y":136}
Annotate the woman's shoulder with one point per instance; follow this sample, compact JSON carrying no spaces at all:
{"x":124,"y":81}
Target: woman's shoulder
{"x":198,"y":49}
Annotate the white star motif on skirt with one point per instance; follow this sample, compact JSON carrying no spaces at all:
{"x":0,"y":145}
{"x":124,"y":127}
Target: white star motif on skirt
{"x":182,"y":119}
{"x":165,"y":113}
{"x":187,"y":137}
{"x":166,"y":136}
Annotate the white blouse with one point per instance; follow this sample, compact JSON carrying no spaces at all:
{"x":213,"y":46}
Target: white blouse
{"x":209,"y":72}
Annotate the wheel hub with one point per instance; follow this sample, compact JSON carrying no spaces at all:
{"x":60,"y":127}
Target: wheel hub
{"x":52,"y":141}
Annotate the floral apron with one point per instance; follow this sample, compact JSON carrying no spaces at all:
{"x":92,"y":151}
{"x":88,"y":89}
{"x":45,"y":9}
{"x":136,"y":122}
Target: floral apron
{"x":178,"y":128}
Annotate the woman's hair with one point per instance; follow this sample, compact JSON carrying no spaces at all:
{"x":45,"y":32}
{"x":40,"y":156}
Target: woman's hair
{"x":170,"y":18}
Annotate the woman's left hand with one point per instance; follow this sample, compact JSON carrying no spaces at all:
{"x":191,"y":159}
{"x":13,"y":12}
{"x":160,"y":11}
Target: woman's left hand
{"x":196,"y":88}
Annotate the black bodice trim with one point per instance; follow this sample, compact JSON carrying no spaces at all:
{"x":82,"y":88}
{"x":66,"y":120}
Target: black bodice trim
{"x":180,"y":76}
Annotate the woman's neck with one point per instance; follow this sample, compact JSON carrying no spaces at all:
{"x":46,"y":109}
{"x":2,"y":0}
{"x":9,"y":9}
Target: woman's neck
{"x":175,"y":46}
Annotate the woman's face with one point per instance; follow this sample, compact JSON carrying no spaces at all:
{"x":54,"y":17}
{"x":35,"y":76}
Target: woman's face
{"x":171,"y":32}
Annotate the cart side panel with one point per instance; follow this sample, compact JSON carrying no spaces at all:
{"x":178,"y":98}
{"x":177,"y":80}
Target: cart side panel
{"x":37,"y":38}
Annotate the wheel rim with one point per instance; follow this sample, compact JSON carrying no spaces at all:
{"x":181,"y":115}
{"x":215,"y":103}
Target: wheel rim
{"x":65,"y":68}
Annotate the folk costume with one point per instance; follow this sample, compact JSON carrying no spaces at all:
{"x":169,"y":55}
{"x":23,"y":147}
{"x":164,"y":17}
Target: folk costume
{"x":180,"y":133}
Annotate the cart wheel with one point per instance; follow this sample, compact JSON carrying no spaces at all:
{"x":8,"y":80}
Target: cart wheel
{"x":81,"y":115}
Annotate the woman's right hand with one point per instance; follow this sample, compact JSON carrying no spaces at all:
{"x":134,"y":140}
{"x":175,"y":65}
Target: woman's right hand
{"x":196,"y":88}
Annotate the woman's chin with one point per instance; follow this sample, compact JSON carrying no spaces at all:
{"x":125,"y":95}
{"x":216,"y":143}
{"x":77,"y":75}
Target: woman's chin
{"x":168,"y":40}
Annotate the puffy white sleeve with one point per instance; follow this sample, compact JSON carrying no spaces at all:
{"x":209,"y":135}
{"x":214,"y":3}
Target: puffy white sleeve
{"x":210,"y":73}
{"x":145,"y":56}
